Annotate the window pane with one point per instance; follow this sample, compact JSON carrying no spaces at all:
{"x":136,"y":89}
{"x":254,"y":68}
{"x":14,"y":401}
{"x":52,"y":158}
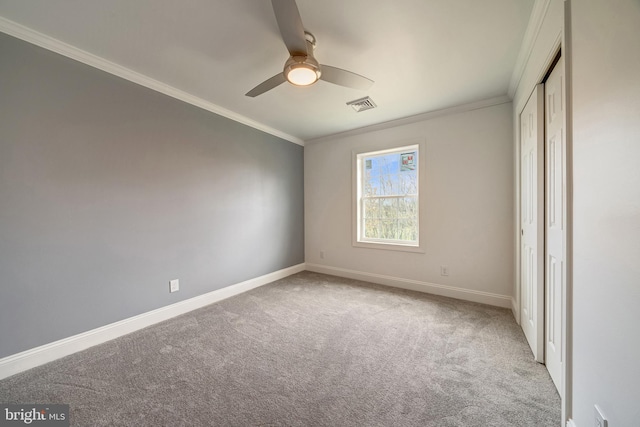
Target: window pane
{"x":371,"y":208}
{"x":407,"y":229}
{"x":390,"y":174}
{"x":371,"y":229}
{"x":408,"y":183}
{"x":369,"y":188}
{"x":388,"y":229}
{"x":389,"y":208}
{"x":408,"y":207}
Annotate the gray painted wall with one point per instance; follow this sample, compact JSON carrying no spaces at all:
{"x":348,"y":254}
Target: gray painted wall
{"x":108,"y":190}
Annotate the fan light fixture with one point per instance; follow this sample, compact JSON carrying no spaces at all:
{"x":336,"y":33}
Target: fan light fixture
{"x":302,"y":75}
{"x":302,"y":70}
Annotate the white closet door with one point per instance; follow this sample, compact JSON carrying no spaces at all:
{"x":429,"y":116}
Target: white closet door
{"x":532,"y":222}
{"x":555,"y":221}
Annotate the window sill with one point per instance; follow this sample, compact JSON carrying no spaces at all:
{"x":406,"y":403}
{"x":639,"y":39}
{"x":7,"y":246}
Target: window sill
{"x":389,"y":247}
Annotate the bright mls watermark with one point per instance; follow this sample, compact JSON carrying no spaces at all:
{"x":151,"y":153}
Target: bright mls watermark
{"x":34,"y":415}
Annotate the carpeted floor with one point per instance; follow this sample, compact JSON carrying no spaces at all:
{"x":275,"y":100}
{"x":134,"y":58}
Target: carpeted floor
{"x":308,"y":350}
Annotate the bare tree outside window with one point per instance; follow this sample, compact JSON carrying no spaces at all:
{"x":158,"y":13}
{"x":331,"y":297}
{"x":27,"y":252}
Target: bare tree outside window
{"x":388,"y":202}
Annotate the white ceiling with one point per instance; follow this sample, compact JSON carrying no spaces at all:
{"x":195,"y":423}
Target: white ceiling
{"x":423,"y":55}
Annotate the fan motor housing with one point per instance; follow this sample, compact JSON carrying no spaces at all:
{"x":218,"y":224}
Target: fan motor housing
{"x":307,"y":62}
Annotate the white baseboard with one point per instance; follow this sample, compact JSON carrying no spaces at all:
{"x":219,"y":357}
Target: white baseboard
{"x":28,"y":359}
{"x":571,"y":423}
{"x":416,"y":285}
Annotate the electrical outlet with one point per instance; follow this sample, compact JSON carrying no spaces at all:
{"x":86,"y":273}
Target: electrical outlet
{"x":174,"y":285}
{"x":321,"y":254}
{"x":444,"y":270}
{"x":601,"y":421}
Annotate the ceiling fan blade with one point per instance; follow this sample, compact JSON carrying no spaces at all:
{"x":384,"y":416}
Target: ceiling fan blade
{"x":267,"y":85}
{"x":345,"y":78}
{"x":290,"y":25}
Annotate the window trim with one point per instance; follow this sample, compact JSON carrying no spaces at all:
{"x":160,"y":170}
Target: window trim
{"x":414,"y":144}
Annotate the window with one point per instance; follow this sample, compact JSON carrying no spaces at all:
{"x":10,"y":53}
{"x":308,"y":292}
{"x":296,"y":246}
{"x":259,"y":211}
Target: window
{"x":387,"y":201}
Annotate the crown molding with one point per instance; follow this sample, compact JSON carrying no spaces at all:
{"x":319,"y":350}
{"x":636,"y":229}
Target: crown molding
{"x":538,"y":13}
{"x":42,"y":40}
{"x":504,"y":99}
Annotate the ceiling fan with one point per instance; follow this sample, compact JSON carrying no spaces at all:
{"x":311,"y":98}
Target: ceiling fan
{"x":302,"y":69}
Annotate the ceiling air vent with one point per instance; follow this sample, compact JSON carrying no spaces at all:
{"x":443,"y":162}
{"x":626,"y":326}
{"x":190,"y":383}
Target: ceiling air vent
{"x":362,"y":104}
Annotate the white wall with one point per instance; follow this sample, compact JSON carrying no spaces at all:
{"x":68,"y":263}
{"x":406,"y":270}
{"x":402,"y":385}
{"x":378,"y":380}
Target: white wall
{"x":469,"y":193}
{"x":606,"y":146}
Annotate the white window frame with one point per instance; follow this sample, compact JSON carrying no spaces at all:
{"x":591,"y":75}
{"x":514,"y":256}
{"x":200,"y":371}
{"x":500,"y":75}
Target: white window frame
{"x":357,"y":167}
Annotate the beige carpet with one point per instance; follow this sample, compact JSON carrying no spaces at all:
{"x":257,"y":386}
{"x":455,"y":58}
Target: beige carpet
{"x":308,"y":350}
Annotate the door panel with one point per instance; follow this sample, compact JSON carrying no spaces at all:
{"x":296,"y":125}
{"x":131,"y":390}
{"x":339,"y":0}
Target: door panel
{"x":532,"y":223}
{"x":555,"y":221}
